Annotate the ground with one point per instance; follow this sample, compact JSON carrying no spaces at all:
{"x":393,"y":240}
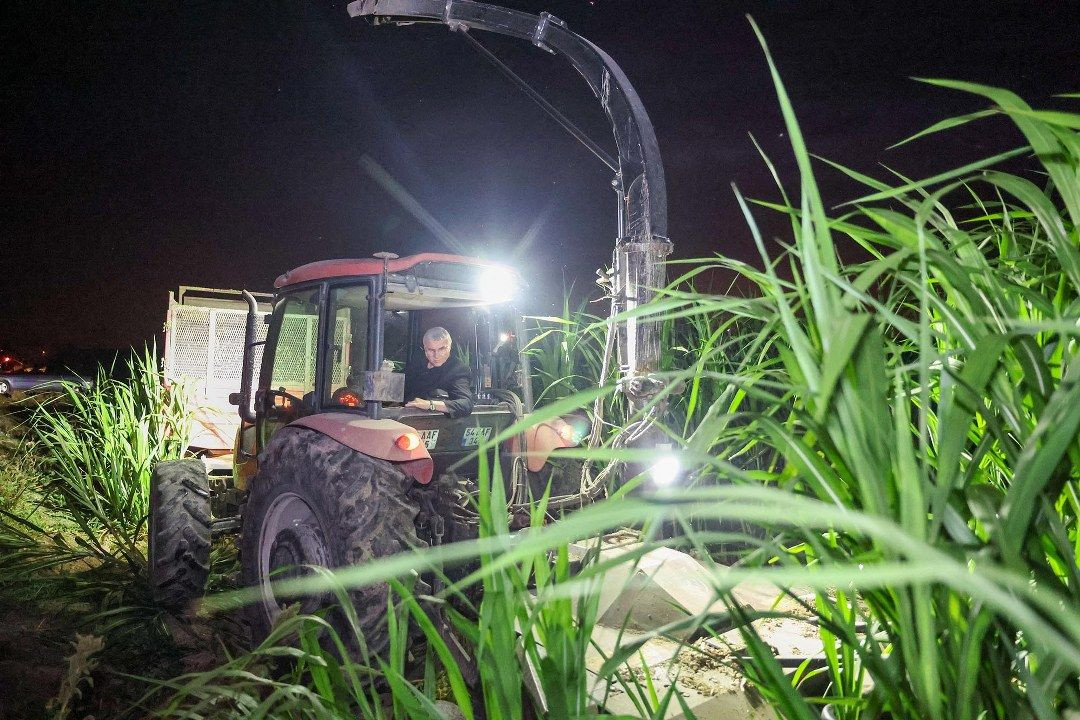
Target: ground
{"x":33,"y":651}
{"x":38,"y":634}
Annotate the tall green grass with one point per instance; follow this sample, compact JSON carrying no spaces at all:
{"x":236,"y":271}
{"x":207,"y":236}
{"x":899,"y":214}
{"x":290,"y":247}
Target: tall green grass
{"x":905,"y":429}
{"x":566,"y":352}
{"x":83,"y":539}
{"x":937,"y":387}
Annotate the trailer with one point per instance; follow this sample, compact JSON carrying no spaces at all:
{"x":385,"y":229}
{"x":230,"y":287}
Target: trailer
{"x":204,"y":349}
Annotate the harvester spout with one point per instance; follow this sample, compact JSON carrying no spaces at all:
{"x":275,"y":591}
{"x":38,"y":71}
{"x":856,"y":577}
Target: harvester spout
{"x":642,"y":244}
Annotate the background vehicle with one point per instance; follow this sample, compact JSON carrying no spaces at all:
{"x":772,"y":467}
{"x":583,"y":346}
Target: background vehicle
{"x":9,"y":363}
{"x":34,"y":380}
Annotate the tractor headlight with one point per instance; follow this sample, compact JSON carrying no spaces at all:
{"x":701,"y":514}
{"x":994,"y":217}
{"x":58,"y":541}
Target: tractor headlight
{"x":498,"y":284}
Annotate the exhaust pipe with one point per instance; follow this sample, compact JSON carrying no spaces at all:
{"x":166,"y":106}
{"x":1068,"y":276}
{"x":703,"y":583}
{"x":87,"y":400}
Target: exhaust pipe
{"x":247,"y":372}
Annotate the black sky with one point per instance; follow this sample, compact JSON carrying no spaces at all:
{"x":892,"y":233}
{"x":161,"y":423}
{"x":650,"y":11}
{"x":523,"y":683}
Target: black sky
{"x":151,"y":145}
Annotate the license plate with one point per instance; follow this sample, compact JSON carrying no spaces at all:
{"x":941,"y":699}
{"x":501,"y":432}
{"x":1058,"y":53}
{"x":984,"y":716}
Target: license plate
{"x":473,"y":436}
{"x":429,"y":438}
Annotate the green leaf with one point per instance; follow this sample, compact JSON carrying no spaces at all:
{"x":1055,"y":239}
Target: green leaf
{"x":1053,"y":436}
{"x":947,"y":124}
{"x":847,"y":333}
{"x":940,"y":178}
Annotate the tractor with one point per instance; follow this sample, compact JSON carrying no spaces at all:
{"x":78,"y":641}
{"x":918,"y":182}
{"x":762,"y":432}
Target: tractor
{"x":332,"y":467}
{"x":329,"y":467}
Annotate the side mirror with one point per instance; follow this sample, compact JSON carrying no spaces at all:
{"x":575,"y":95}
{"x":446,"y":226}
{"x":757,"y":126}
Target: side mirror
{"x":384,"y":386}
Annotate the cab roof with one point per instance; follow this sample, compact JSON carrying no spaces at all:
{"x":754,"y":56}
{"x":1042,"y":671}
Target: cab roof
{"x":434,"y":266}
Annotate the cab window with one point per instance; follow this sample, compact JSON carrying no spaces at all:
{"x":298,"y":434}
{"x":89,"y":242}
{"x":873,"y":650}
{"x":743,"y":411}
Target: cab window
{"x":396,"y":340}
{"x":294,"y":336}
{"x":346,"y":351}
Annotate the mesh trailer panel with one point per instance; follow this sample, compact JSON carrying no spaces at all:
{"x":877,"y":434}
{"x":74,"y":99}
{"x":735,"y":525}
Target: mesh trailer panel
{"x":206,"y":346}
{"x":204,"y":350}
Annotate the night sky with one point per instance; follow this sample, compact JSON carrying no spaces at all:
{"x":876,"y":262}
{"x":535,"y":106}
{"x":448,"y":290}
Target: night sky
{"x":145,"y":146}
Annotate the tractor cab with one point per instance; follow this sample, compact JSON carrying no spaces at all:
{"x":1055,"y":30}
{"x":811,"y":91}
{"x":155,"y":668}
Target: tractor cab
{"x":343,"y":333}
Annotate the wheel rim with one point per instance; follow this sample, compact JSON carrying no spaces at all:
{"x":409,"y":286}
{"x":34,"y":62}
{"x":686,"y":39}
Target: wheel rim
{"x":3,"y":388}
{"x":290,"y":537}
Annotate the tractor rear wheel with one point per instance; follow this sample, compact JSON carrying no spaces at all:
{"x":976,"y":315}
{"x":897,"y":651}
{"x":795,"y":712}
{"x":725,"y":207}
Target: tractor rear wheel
{"x":318,"y":502}
{"x":179,"y":532}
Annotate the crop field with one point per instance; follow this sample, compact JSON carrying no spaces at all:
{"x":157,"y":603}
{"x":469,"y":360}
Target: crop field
{"x":893,"y":444}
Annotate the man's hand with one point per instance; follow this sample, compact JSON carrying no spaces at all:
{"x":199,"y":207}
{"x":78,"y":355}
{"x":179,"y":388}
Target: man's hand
{"x":430,"y":405}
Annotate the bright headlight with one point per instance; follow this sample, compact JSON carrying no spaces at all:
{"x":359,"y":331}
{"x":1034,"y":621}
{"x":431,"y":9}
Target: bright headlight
{"x":498,"y":284}
{"x":665,"y":471}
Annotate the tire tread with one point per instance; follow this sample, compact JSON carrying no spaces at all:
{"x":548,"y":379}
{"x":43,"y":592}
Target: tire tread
{"x":180,"y":524}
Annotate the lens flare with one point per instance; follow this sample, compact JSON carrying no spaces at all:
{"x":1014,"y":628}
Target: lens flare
{"x":498,"y":284}
{"x":666,"y":470}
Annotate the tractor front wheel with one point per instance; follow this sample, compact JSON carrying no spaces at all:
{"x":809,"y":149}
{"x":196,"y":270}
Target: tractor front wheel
{"x":179,"y":532}
{"x":318,"y":502}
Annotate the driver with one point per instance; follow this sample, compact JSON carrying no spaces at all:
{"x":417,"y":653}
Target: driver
{"x":440,"y":373}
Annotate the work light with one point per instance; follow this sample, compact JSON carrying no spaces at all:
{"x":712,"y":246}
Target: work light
{"x":498,"y":284}
{"x":665,"y":471}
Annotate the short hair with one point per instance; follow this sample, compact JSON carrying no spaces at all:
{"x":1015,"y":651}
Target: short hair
{"x":437,"y":333}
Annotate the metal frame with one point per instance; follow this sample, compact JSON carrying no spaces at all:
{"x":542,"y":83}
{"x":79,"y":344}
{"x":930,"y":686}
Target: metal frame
{"x":377,"y":287}
{"x":642,"y":244}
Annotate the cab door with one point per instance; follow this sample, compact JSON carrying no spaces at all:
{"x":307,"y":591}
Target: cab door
{"x":350,"y":347}
{"x":287,"y":380}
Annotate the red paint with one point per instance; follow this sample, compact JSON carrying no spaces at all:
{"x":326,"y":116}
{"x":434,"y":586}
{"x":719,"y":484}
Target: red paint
{"x":324,"y":269}
{"x":377,"y":438}
{"x":541,"y":439}
{"x":419,"y":470}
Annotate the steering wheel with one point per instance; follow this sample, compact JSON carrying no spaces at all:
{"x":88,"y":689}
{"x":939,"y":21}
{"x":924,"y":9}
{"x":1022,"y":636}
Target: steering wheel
{"x":292,"y":403}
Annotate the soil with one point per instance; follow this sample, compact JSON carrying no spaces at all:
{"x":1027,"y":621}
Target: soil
{"x":32,"y":662}
{"x":37,"y":636}
{"x":35,"y":644}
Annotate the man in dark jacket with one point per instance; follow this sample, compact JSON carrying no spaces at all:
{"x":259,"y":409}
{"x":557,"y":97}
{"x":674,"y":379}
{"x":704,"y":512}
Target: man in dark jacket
{"x":439,"y":371}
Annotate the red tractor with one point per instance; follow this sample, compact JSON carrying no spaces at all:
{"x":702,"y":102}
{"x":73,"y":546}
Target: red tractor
{"x":333,"y":468}
{"x":330,"y":469}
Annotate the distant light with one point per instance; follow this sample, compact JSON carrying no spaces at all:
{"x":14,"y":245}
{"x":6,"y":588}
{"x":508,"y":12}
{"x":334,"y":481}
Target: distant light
{"x":666,"y":470}
{"x":498,"y":284}
{"x":503,"y":337}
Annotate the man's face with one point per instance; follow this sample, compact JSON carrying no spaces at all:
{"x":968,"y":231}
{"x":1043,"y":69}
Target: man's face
{"x":437,"y":351}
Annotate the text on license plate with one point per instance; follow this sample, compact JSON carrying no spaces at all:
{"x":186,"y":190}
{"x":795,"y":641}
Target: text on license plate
{"x":473,"y":436}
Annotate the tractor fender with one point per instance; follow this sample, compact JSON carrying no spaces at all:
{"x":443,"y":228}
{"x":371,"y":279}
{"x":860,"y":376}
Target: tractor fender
{"x":542,"y":438}
{"x":375,"y":438}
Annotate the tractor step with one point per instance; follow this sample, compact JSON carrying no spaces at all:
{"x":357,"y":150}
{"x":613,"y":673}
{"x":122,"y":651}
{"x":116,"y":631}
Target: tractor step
{"x":224,"y":526}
